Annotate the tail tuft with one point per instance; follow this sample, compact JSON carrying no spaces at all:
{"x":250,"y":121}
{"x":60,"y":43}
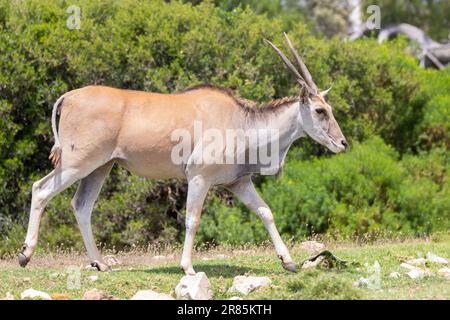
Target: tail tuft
{"x":55,"y":155}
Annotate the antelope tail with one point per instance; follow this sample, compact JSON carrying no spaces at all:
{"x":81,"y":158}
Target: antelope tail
{"x":55,"y":154}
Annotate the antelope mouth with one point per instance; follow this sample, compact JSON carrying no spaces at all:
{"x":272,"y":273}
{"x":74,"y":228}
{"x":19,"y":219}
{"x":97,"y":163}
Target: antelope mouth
{"x":335,"y":147}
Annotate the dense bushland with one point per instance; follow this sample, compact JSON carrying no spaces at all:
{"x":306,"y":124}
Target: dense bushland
{"x":367,"y":192}
{"x":394,"y":114}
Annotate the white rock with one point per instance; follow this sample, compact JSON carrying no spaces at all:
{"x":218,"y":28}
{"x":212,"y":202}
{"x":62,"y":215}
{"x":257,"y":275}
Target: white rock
{"x":151,"y":295}
{"x":312,"y":247}
{"x":54,"y":275}
{"x":420,"y":262}
{"x":418,"y":273}
{"x":95,"y":294}
{"x":8,"y":296}
{"x":362,"y":282}
{"x":196,"y":287}
{"x":93,"y":278}
{"x":247,"y":284}
{"x":431,"y":257}
{"x":235,"y":298}
{"x":407,"y":266}
{"x":445,"y":272}
{"x":312,"y":264}
{"x":111,"y":261}
{"x":35,"y":295}
{"x":394,"y":275}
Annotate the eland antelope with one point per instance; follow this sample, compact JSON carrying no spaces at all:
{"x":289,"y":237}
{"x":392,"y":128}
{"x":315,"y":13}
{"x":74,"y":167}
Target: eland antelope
{"x":100,"y":126}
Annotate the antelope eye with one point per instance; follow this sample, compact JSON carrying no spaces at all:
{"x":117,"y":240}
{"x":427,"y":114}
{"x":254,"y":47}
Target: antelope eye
{"x":320,"y":111}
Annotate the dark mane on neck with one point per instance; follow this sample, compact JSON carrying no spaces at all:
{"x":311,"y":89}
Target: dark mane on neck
{"x":248,"y":106}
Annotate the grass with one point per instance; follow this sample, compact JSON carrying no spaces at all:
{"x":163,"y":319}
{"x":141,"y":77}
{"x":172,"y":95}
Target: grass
{"x":139,"y":270}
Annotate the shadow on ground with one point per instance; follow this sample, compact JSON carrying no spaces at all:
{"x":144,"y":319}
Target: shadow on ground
{"x":217,"y":270}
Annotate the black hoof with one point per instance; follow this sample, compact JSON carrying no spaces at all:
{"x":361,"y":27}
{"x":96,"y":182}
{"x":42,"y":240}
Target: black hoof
{"x":290,"y":266}
{"x":23,"y":260}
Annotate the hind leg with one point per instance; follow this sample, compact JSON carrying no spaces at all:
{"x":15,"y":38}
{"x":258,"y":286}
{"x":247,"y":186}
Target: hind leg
{"x":43,"y":191}
{"x":83,"y":203}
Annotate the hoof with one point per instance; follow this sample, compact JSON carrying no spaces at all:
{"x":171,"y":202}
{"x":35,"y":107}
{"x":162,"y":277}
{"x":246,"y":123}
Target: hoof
{"x":100,"y":266}
{"x":289,"y":266}
{"x":189,"y":271}
{"x":23,"y":260}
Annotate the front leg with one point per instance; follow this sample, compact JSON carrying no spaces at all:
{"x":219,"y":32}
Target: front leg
{"x":197,"y":190}
{"x":246,"y":191}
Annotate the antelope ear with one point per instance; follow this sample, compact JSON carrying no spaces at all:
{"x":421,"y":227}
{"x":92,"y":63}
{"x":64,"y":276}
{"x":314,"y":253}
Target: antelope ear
{"x":325,"y":92}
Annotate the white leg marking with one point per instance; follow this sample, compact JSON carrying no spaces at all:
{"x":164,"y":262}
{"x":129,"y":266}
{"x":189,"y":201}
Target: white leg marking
{"x":246,"y":191}
{"x":43,"y":191}
{"x":197,"y":190}
{"x":83,"y":203}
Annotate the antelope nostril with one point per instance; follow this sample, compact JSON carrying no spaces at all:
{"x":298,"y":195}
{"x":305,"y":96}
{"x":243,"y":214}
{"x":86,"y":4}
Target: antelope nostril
{"x":344,"y":143}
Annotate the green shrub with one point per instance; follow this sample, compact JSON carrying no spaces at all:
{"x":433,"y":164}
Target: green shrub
{"x":231,"y":225}
{"x":434,"y":127}
{"x":364,"y":193}
{"x":424,"y":196}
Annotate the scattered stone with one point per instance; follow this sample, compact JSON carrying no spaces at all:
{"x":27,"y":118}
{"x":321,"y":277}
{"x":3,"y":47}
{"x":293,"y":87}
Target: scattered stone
{"x":445,"y":272}
{"x":235,"y":298}
{"x":151,"y":295}
{"x":111,"y":261}
{"x":418,"y":273}
{"x":414,"y":272}
{"x":362,"y":282}
{"x":394,"y":275}
{"x":196,"y":287}
{"x":60,"y":296}
{"x":95,"y":294}
{"x":31,"y":294}
{"x":407,"y":266}
{"x":420,"y":262}
{"x":325,"y":260}
{"x":8,"y":296}
{"x":54,"y":275}
{"x":431,"y":257}
{"x":312,"y":264}
{"x":312,"y":247}
{"x":247,"y":284}
{"x":93,"y":278}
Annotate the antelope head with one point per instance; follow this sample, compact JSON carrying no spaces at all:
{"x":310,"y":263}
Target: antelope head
{"x":317,"y":118}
